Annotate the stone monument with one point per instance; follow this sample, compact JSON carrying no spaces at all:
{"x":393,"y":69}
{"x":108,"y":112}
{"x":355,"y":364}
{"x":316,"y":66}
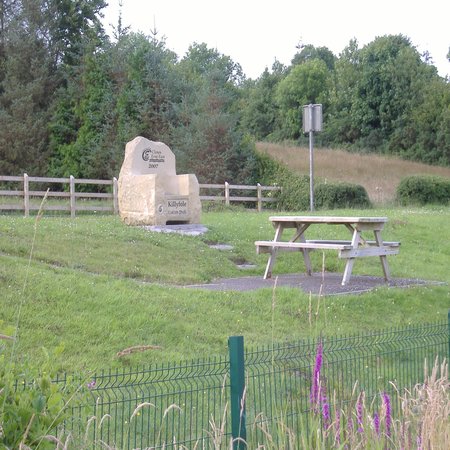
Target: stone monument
{"x":150,"y":192}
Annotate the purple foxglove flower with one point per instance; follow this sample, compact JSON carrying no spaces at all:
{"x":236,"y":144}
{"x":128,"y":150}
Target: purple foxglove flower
{"x":350,"y":426}
{"x":387,"y":405}
{"x":325,"y":411}
{"x":419,"y":442}
{"x":337,"y":427}
{"x":359,"y":413}
{"x":376,"y":423}
{"x":315,"y":388}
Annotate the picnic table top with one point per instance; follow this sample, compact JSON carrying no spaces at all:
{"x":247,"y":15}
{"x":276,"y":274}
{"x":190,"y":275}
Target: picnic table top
{"x":327,"y":219}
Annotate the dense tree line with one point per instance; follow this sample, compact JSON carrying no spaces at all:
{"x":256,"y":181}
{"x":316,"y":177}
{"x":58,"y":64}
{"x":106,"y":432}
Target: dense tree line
{"x":384,"y":97}
{"x":71,"y":97}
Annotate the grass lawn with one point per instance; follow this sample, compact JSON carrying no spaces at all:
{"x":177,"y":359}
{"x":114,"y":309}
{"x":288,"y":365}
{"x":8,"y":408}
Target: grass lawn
{"x":88,"y":288}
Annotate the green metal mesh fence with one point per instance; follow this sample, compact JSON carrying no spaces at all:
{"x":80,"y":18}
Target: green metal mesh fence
{"x":280,"y":377}
{"x":187,"y":405}
{"x":160,"y":407}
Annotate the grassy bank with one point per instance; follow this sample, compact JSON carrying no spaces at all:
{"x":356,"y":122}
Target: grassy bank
{"x":380,"y":175}
{"x":95,"y":287}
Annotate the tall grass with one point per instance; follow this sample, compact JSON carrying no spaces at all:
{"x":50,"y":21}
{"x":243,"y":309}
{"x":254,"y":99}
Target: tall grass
{"x":380,"y":175}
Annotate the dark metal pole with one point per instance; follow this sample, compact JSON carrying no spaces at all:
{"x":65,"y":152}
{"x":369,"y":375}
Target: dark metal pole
{"x":311,"y":160}
{"x":237,"y":387}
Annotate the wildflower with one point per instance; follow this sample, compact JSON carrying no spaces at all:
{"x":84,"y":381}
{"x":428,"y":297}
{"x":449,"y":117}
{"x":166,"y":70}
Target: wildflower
{"x":315,"y":388}
{"x":337,"y":427}
{"x":419,"y":442}
{"x":387,"y":405}
{"x":325,"y":410}
{"x":91,"y":384}
{"x":350,"y":426}
{"x":376,"y":423}
{"x":359,"y":413}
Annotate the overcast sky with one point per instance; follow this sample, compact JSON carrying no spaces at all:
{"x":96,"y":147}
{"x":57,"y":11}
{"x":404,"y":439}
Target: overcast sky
{"x":256,"y":32}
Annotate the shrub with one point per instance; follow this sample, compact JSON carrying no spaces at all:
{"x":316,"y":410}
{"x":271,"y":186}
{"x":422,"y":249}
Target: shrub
{"x":268,"y":170}
{"x":295,"y":194}
{"x":32,"y":406}
{"x":27,"y":413}
{"x":423,"y":189}
{"x":341,"y":195}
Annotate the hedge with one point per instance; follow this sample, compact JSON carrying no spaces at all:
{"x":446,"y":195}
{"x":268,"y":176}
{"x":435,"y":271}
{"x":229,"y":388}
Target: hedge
{"x":424,"y":189}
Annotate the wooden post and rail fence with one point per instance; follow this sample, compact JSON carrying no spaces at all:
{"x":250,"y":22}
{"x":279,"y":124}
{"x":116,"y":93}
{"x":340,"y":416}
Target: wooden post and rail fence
{"x":23,"y":197}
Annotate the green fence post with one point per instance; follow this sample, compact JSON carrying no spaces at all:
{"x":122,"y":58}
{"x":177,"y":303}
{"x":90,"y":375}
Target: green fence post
{"x":237,"y":386}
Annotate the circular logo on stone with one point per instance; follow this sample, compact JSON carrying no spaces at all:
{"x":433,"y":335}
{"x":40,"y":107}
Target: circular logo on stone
{"x":160,"y":209}
{"x":146,"y":154}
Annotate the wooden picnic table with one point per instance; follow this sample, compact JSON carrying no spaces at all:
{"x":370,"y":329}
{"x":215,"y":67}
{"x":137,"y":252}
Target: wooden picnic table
{"x":357,"y":247}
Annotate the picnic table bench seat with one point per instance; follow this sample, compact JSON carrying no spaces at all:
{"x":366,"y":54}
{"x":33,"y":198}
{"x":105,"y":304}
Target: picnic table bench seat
{"x":266,"y":246}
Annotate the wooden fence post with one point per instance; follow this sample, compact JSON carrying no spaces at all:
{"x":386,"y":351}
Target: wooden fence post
{"x":72,"y":196}
{"x":115,"y":196}
{"x":26,"y":195}
{"x":259,"y":195}
{"x":227,"y":193}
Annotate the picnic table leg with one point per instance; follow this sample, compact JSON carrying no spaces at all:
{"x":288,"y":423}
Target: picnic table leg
{"x":270,"y":263}
{"x":383,"y":258}
{"x":350,"y":261}
{"x":348,"y":271}
{"x":299,"y":236}
{"x":305,"y":253}
{"x":273,"y":253}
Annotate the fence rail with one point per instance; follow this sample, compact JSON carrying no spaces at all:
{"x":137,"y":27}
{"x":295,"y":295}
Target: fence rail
{"x":65,"y":197}
{"x":194,"y":404}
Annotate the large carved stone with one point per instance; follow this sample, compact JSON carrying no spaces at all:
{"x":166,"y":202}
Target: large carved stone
{"x":150,"y":191}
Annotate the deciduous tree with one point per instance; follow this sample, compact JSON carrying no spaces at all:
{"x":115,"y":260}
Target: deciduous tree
{"x":306,"y":83}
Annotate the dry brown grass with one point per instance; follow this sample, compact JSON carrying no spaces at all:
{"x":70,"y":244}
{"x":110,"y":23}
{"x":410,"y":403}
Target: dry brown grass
{"x":380,"y":175}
